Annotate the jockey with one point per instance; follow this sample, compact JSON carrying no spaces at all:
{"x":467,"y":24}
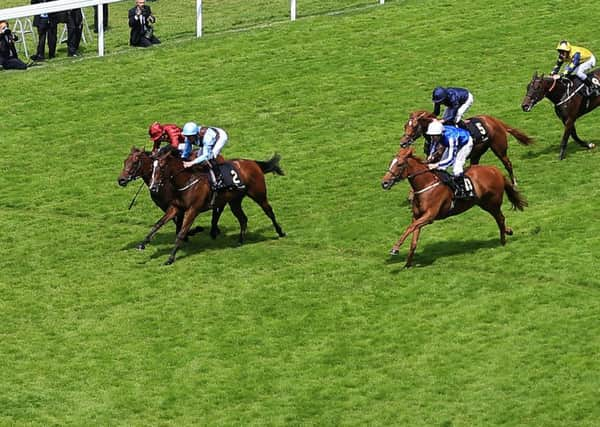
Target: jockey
{"x":162,"y":133}
{"x":210,"y":141}
{"x":457,"y":101}
{"x":450,"y":146}
{"x":581,"y":60}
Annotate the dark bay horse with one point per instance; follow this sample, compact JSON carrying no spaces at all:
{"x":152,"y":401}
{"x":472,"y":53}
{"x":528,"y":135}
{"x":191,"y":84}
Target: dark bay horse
{"x":496,"y":130}
{"x":570,"y":103}
{"x":138,"y":164}
{"x":194,"y":194}
{"x":433,"y":200}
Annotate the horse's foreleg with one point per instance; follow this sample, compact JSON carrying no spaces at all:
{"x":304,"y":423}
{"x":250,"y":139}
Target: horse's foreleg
{"x":416,"y":224}
{"x":413,"y":247}
{"x":188,"y":220}
{"x":170,"y":213}
{"x":565,"y":139}
{"x":214,"y":224}
{"x":588,"y":145}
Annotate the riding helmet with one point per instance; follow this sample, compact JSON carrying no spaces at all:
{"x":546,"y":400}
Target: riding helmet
{"x":564,"y":45}
{"x":439,"y":94}
{"x":190,"y":129}
{"x":155,"y":131}
{"x":435,"y":128}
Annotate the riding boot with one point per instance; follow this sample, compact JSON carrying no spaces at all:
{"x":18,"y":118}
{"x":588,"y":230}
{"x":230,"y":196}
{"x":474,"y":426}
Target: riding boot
{"x":461,"y":124}
{"x":590,"y":85}
{"x":218,"y":184}
{"x":460,"y":191}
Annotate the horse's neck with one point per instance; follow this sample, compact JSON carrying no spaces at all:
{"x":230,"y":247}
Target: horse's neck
{"x":419,"y":174}
{"x":146,"y":168}
{"x":558,"y":90}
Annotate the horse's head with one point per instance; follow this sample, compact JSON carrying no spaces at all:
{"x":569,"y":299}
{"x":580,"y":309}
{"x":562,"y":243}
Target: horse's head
{"x":132,"y":166}
{"x":415,"y":127}
{"x":398,"y":169}
{"x":165,"y":165}
{"x":537,"y":88}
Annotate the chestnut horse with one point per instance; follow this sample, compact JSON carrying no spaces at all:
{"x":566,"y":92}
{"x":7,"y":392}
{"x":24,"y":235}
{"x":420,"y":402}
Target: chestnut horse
{"x":497,"y":137}
{"x":433,"y":200}
{"x":138,"y":164}
{"x":569,"y":101}
{"x":194,"y":194}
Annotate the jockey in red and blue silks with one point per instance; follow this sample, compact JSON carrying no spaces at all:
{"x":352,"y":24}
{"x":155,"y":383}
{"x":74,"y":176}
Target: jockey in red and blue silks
{"x":162,"y":133}
{"x":457,"y":101}
{"x":210,"y":141}
{"x":450,"y":146}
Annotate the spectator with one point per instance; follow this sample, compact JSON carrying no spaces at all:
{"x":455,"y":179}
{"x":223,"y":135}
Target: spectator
{"x":9,"y":59}
{"x":104,"y":17}
{"x":46,"y":28}
{"x":74,"y":31}
{"x":140,"y":20}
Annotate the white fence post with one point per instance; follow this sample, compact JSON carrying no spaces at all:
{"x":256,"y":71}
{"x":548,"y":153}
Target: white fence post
{"x":198,"y":18}
{"x":293,"y":10}
{"x":381,"y":1}
{"x":100,"y":23}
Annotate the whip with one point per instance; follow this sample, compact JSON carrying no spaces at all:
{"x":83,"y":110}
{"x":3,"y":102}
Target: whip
{"x":136,"y":194}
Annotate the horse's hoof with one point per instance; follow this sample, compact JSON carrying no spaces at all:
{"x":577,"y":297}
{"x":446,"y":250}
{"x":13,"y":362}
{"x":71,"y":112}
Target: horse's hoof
{"x":282,"y":234}
{"x":141,"y":247}
{"x":591,"y":145}
{"x":509,"y":231}
{"x":169,"y":261}
{"x":394,"y":251}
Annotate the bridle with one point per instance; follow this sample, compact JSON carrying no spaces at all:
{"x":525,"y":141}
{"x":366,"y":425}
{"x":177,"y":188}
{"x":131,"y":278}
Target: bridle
{"x":397,"y":176}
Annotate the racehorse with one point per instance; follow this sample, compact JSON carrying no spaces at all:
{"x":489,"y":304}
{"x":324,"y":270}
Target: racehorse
{"x":492,"y":134}
{"x":570,"y":103}
{"x":433,"y":201}
{"x":194,"y":194}
{"x":138,"y":164}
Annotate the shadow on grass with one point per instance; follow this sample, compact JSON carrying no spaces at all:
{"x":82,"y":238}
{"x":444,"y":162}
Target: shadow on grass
{"x":554,"y":148}
{"x":201,"y":242}
{"x":427,"y":255}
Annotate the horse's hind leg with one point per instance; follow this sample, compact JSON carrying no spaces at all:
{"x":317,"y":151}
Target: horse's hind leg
{"x":501,"y":151}
{"x":496,"y":212}
{"x":261,"y":200}
{"x":236,"y":208}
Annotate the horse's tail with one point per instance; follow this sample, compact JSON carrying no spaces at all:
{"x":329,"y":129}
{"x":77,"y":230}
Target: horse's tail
{"x":271,"y":165}
{"x":519,"y":135}
{"x":518,"y":201}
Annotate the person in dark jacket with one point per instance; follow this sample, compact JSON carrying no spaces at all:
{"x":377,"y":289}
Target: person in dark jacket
{"x":74,"y":31}
{"x":457,"y":101}
{"x":140,"y":22}
{"x":104,"y":17}
{"x":47,"y":29}
{"x":9,"y":59}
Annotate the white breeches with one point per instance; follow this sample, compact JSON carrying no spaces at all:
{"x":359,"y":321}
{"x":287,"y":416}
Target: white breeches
{"x":581,"y":70}
{"x":461,"y":158}
{"x":221,"y":141}
{"x":463,"y":108}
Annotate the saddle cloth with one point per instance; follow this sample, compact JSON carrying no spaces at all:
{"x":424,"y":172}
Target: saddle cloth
{"x":477,"y":130}
{"x":231,"y":177}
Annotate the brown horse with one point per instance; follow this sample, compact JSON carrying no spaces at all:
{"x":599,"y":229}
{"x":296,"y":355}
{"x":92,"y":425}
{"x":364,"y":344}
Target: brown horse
{"x":138,"y":164}
{"x":570,"y":103}
{"x":194,"y":194}
{"x":494,"y":136}
{"x":433,"y":200}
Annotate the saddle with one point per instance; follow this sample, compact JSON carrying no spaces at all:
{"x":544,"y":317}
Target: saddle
{"x":477,"y":130}
{"x":460,"y":189}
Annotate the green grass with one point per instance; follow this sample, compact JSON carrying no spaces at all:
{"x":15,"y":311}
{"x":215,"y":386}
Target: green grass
{"x":320,"y":327}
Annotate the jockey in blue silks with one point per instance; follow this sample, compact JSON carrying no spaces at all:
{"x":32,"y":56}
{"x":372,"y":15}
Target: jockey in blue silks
{"x":457,"y":101}
{"x":450,"y":146}
{"x":210,"y":141}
